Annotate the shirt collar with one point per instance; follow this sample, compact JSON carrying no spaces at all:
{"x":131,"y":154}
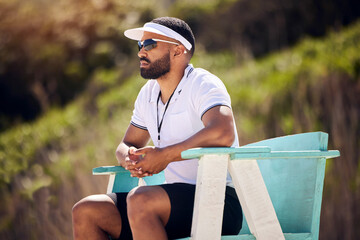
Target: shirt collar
{"x":156,"y":88}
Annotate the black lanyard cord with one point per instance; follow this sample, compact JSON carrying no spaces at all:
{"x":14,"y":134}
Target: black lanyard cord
{"x":166,"y":107}
{"x":157,"y":112}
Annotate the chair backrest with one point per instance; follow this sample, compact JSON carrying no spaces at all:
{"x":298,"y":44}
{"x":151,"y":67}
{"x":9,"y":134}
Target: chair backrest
{"x":295,"y":184}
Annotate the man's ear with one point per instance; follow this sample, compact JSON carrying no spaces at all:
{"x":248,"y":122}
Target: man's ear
{"x":180,"y":49}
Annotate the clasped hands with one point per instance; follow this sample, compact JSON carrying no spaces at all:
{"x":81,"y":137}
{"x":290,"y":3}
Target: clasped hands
{"x":145,"y":161}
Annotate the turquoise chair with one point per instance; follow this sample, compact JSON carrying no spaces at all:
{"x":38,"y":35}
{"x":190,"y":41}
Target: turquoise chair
{"x":279,"y":182}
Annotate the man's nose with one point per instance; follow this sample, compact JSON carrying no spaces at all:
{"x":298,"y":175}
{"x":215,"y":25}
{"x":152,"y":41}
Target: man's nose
{"x":142,"y":53}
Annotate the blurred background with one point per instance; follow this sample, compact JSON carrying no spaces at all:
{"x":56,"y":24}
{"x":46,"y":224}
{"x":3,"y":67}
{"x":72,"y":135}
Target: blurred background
{"x":69,"y":78}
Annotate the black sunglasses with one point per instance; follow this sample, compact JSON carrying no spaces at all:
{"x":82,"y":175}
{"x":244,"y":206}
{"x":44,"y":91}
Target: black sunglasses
{"x":149,"y":44}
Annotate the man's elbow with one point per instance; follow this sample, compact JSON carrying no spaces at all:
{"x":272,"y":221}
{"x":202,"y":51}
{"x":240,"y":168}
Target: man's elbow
{"x":227,"y":138}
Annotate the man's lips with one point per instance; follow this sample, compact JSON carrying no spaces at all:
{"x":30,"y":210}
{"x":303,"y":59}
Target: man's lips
{"x":144,"y":62}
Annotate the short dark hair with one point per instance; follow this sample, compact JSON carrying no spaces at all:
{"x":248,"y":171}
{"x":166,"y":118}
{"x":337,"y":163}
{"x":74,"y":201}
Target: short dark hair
{"x":178,"y":26}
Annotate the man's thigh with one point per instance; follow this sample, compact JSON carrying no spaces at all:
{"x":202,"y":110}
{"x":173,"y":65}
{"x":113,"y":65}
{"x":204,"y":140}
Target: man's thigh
{"x":152,"y":199}
{"x":178,"y":201}
{"x":148,"y":197}
{"x":182,"y":197}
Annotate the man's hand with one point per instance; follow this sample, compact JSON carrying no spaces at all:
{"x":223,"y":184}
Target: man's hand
{"x":151,"y":160}
{"x":130,"y":161}
{"x":134,"y":138}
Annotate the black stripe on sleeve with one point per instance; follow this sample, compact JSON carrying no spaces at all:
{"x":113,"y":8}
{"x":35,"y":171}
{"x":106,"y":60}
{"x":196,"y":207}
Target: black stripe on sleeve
{"x":138,"y":126}
{"x":212,"y":106}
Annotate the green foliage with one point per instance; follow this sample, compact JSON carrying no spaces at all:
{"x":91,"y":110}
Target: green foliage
{"x":20,"y":145}
{"x":53,"y":49}
{"x":280,"y":84}
{"x":118,"y":98}
{"x":191,"y":7}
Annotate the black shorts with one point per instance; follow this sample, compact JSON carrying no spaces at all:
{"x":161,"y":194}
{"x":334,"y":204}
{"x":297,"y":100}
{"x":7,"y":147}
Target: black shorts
{"x":182,"y":204}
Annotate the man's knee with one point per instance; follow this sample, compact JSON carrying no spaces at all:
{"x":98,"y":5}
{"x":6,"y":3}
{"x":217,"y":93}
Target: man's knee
{"x":81,"y":209}
{"x":147,"y":201}
{"x":96,"y":214}
{"x":139,"y":205}
{"x":89,"y":207}
{"x":138,"y":199}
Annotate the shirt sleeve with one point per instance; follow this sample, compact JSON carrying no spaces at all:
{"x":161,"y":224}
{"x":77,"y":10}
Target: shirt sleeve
{"x":210,"y":93}
{"x":137,"y":118}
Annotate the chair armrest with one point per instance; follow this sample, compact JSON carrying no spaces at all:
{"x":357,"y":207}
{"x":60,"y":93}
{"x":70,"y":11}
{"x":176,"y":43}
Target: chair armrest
{"x":198,"y":152}
{"x":257,"y":153}
{"x":287,"y":154}
{"x":106,"y":170}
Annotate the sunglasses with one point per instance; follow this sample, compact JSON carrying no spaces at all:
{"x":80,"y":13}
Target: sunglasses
{"x":149,"y":44}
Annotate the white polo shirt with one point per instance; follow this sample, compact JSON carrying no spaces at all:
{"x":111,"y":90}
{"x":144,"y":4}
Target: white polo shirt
{"x":197,"y":92}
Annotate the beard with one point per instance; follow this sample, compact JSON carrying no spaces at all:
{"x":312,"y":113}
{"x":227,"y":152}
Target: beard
{"x":156,"y":69}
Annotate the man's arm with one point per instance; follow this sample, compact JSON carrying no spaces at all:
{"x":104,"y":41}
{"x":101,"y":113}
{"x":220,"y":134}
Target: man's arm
{"x":134,"y":138}
{"x":218,"y":132}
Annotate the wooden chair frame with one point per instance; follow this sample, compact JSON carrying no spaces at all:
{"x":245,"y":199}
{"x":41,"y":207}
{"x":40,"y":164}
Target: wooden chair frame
{"x":259,"y":172}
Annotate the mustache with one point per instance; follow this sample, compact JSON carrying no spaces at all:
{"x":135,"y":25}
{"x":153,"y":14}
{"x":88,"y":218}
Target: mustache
{"x":145,"y":59}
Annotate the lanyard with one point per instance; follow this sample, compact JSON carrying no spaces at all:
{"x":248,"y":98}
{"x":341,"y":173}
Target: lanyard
{"x":166,"y":107}
{"x":157,"y":113}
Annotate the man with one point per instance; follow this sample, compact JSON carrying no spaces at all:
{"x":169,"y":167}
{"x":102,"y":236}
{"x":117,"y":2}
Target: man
{"x":180,"y":107}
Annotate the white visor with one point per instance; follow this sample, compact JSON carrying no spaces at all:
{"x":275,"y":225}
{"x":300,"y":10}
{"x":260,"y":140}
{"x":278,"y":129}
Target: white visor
{"x":137,"y":33}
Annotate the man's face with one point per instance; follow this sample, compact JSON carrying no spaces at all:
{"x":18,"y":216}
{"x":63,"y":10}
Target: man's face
{"x":156,"y":68}
{"x":155,"y":63}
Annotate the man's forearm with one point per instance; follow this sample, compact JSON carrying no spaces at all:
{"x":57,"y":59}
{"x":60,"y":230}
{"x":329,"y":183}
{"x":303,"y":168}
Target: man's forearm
{"x":155,"y":160}
{"x":219,"y":131}
{"x":207,"y":137}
